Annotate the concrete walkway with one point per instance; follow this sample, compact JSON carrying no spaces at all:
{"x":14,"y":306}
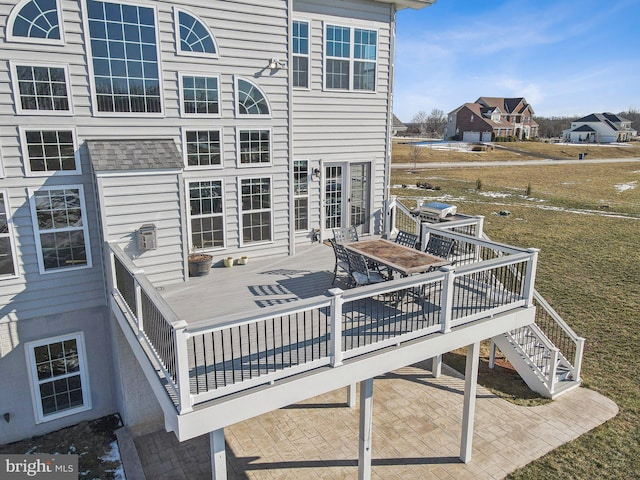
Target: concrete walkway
{"x":416,"y":435}
{"x":508,"y":163}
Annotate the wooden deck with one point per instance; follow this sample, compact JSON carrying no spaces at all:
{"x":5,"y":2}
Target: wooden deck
{"x":242,"y":290}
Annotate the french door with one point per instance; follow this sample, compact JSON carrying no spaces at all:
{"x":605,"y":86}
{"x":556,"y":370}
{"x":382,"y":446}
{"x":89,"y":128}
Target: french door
{"x":346,"y":196}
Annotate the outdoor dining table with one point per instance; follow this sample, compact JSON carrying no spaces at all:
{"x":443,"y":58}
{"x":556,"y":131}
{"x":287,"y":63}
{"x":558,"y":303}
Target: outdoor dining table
{"x":399,"y":258}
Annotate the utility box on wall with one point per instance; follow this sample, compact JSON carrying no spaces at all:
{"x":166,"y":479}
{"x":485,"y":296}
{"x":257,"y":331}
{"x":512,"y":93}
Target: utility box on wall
{"x":147,"y":237}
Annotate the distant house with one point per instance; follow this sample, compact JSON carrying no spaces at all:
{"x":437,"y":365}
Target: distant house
{"x":489,"y":118}
{"x":397,"y":126}
{"x":599,"y":128}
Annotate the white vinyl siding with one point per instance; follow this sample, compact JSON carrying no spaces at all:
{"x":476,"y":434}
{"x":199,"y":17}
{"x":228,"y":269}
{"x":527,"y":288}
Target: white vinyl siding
{"x":59,"y":379}
{"x":59,"y":223}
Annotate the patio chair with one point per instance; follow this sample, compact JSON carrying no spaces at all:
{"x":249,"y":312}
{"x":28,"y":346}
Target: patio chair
{"x":342,"y":259}
{"x":439,"y":246}
{"x":345,"y":234}
{"x":407,"y":239}
{"x":360,"y":272}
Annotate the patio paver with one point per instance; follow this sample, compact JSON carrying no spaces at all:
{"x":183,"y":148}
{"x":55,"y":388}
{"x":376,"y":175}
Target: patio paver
{"x":416,"y":435}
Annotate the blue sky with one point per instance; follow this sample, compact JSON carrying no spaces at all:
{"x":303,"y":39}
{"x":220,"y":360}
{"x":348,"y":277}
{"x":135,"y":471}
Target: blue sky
{"x":566,"y":57}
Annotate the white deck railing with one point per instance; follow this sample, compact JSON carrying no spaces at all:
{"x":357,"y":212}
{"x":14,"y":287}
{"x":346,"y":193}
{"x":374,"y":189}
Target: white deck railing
{"x":201,"y":361}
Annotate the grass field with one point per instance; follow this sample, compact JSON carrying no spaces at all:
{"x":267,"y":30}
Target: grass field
{"x":586,"y":221}
{"x":402,"y":152}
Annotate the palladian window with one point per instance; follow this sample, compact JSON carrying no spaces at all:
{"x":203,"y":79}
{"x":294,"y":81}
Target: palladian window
{"x":251,"y":100}
{"x":35,"y":20}
{"x":194,"y":38}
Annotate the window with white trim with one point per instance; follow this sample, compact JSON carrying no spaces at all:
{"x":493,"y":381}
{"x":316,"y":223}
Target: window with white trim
{"x":254,"y":147}
{"x":41,"y":89}
{"x":350,"y":58}
{"x":301,"y":194}
{"x":35,"y":20}
{"x":250,"y":99}
{"x":124,"y":57}
{"x":61,"y":232}
{"x":300,"y":48}
{"x":193,"y":36}
{"x":59,"y":376}
{"x":49,"y":151}
{"x":8,"y":260}
{"x":256,"y":210}
{"x":206,"y":214}
{"x":203,"y":148}
{"x":200,"y":95}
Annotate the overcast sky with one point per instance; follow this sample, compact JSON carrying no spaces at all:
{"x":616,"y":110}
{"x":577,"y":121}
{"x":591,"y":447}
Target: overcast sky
{"x":566,"y":57}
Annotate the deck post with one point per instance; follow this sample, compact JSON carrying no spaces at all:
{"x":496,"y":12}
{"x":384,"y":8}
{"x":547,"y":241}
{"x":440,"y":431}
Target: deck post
{"x":366,"y":424}
{"x":469,"y":408}
{"x":530,"y":277}
{"x":182,"y":367}
{"x":436,"y":366}
{"x":447,"y":298}
{"x":351,"y":395}
{"x":218,"y":455}
{"x":336,"y":327}
{"x":492,"y":354}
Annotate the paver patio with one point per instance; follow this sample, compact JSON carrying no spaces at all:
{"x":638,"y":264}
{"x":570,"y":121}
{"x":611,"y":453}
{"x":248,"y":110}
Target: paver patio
{"x":416,"y":435}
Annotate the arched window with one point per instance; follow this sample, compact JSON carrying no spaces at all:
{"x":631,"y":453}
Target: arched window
{"x":193,"y":37}
{"x":35,"y":20}
{"x":251,"y":100}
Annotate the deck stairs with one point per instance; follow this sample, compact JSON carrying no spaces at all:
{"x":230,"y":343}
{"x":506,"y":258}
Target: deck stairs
{"x":538,"y":361}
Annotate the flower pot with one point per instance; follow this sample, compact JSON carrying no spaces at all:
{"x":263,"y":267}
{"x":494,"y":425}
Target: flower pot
{"x":243,"y":260}
{"x":199,"y":264}
{"x":228,"y":262}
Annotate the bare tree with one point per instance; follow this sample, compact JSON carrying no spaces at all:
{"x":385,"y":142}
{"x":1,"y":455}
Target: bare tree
{"x":420,"y":121}
{"x":436,"y":122}
{"x":416,"y":152}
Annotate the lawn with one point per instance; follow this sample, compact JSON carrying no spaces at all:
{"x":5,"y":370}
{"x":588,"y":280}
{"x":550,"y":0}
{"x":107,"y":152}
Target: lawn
{"x":402,"y":152}
{"x":586,"y":220}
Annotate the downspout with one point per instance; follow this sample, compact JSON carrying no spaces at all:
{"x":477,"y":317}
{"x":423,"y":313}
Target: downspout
{"x":292,"y":225}
{"x":392,"y":56}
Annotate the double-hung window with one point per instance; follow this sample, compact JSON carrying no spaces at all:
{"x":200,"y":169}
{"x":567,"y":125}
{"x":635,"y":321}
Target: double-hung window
{"x":350,"y":58}
{"x":41,"y":89}
{"x":62,"y":237}
{"x":254,"y":147}
{"x":8,"y":262}
{"x":50,"y":152}
{"x":301,"y":194}
{"x":124,"y":57}
{"x":203,"y":148}
{"x":58,"y":376}
{"x":256,"y":210}
{"x":300,"y":48}
{"x":206,"y":203}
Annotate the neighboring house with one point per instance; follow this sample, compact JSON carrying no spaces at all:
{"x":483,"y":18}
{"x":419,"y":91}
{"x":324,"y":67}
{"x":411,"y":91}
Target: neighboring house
{"x":398,"y":126}
{"x":489,"y":118}
{"x":599,"y":128}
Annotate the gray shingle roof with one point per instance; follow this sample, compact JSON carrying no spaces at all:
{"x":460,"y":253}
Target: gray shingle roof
{"x":145,"y":154}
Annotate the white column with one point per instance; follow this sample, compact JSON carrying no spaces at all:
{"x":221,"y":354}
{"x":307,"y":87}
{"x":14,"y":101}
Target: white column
{"x":366,"y":424}
{"x":469,"y":410}
{"x":436,"y":366}
{"x":351,"y":395}
{"x":218,"y":455}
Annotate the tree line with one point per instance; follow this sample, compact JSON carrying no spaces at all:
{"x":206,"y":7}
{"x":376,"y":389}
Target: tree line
{"x":432,"y":124}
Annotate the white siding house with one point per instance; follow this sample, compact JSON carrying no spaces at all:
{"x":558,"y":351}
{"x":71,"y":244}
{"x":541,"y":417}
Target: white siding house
{"x":227,"y":128}
{"x":600,"y":128}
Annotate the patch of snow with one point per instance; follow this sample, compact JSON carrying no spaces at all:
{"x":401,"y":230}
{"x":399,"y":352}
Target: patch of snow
{"x":623,"y":187}
{"x":495,"y":194}
{"x":113,"y":455}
